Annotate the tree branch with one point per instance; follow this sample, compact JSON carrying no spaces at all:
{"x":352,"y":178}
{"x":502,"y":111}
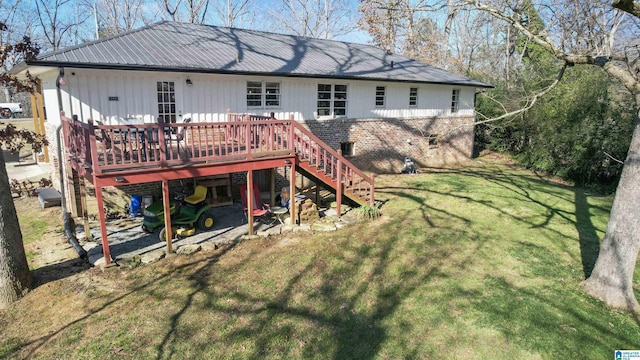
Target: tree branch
{"x":629,"y":6}
{"x":531,"y":102}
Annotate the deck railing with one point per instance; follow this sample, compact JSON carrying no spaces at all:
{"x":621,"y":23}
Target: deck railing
{"x":113,"y":148}
{"x":327,"y":161}
{"x":120,"y":148}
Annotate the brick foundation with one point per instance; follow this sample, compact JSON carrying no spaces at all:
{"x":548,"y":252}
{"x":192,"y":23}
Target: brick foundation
{"x":380,"y":145}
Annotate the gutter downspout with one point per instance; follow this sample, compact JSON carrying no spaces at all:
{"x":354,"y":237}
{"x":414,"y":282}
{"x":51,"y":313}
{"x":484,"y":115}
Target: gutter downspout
{"x":69,"y":230}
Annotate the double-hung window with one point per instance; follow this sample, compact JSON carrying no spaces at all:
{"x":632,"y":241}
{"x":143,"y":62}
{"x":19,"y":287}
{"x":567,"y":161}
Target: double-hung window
{"x":332,"y":100}
{"x":413,"y":97}
{"x":380,"y":94}
{"x":455,"y":100}
{"x":263,"y":94}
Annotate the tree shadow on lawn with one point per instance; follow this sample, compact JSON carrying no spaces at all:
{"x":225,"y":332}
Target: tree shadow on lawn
{"x":528,"y":318}
{"x":580,"y":218}
{"x":44,"y":340}
{"x":354,"y":333}
{"x":58,"y":271}
{"x":587,"y":235}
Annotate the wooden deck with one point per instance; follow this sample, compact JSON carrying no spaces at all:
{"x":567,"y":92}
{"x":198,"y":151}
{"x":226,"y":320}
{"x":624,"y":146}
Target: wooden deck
{"x":128,"y":154}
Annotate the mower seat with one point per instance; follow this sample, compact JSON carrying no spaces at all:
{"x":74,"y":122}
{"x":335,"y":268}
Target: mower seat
{"x":198,"y":196}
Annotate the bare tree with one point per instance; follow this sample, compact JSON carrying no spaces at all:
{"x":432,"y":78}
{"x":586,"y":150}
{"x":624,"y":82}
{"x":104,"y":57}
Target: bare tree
{"x":383,"y":20}
{"x":232,"y":12}
{"x":193,"y":11}
{"x":406,"y":27}
{"x":326,"y":19}
{"x":116,"y":16}
{"x":595,"y":34}
{"x":59,"y":19}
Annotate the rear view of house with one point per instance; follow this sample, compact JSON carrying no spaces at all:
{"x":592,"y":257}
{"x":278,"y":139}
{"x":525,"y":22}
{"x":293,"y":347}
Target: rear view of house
{"x":316,"y":105}
{"x":376,"y":107}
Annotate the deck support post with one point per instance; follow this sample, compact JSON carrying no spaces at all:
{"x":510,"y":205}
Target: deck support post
{"x":292,"y":193}
{"x":250,"y":201}
{"x":339,"y":184}
{"x":103,"y":226}
{"x":272,"y":187}
{"x":167,"y":216}
{"x":85,"y":213}
{"x":371,"y":201}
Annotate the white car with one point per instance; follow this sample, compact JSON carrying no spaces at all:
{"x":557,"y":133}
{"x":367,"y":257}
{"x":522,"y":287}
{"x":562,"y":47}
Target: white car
{"x":9,"y":110}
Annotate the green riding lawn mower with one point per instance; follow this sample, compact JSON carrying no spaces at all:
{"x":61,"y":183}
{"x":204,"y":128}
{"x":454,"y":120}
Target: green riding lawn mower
{"x":186,"y":213}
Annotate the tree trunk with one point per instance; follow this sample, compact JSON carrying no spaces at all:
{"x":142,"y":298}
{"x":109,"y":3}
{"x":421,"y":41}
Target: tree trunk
{"x":612,"y":278}
{"x":15,"y":277}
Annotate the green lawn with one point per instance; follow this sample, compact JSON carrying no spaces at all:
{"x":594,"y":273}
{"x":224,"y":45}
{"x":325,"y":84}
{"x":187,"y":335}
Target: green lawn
{"x":483,"y":261}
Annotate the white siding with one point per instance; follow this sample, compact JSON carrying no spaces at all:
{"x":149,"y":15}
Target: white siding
{"x":87,"y":93}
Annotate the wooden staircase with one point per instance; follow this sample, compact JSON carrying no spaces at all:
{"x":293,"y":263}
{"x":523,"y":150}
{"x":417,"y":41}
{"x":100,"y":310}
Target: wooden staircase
{"x":316,"y":160}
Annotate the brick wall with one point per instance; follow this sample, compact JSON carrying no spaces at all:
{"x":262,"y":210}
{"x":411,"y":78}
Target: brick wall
{"x":380,"y":145}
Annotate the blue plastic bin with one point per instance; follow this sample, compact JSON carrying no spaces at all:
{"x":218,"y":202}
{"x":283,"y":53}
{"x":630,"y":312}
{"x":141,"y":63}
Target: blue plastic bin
{"x":135,"y":209}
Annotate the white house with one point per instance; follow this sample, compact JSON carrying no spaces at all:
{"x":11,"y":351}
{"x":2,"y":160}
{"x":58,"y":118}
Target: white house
{"x":377,"y":107}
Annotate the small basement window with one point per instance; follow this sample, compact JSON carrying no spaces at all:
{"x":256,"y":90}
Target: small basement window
{"x":347,"y":148}
{"x":433,"y":140}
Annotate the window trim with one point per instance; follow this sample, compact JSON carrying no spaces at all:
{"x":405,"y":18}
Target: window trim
{"x":264,"y":95}
{"x":332,"y":99}
{"x":413,"y":97}
{"x":455,"y":101}
{"x":381,"y":98}
{"x":169,"y":103}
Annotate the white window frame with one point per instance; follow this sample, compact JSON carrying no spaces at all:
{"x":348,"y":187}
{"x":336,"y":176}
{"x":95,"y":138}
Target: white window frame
{"x":265,"y":95}
{"x":455,"y":101}
{"x":413,"y":96}
{"x":381,"y":93}
{"x":332,"y":94}
{"x":166,"y":101}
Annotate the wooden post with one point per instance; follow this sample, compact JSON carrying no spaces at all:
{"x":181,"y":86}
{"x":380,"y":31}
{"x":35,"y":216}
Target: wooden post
{"x":34,"y":114}
{"x":167,"y":216}
{"x":272,"y":187}
{"x":292,"y":193}
{"x":247,"y":135}
{"x":250,"y":201}
{"x":292,"y":146}
{"x":162,"y":143}
{"x":103,"y":226}
{"x":339,"y":183}
{"x":93,"y":145}
{"x":85,"y":213}
{"x":41,"y":119}
{"x":371,"y":201}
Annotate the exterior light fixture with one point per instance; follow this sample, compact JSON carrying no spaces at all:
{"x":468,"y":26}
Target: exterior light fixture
{"x":120,"y":179}
{"x":189,"y":82}
{"x":287,"y":162}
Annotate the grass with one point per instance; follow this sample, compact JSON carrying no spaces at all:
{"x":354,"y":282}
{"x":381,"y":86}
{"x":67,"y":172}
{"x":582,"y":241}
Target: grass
{"x":483,"y":261}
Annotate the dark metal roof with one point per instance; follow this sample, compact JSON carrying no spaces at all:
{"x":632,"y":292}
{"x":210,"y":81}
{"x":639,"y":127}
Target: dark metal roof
{"x":171,"y":46}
